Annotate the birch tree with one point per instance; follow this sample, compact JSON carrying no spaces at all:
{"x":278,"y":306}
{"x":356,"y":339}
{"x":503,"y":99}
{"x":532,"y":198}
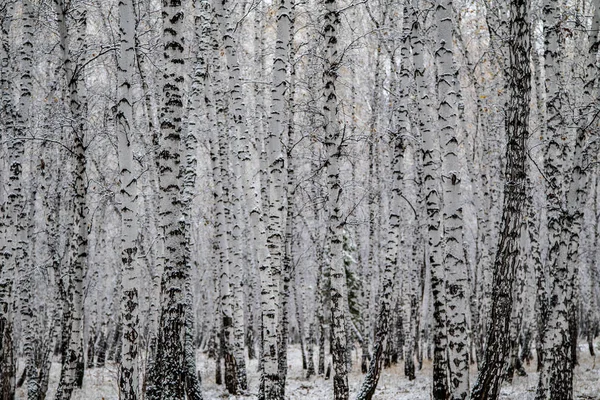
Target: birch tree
{"x":564,"y":205}
{"x":14,"y":215}
{"x":508,"y":258}
{"x":173,"y":378}
{"x":277,"y":160}
{"x":335,"y":224}
{"x":20,"y":246}
{"x":456,"y":283}
{"x":73,"y":52}
{"x":129,"y":376}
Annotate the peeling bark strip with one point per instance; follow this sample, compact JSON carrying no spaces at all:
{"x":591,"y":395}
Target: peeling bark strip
{"x":456,"y":280}
{"x":508,"y":257}
{"x":130,"y":314}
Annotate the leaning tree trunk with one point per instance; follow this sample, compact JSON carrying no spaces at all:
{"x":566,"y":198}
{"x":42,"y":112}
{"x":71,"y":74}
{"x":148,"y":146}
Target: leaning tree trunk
{"x":508,"y":256}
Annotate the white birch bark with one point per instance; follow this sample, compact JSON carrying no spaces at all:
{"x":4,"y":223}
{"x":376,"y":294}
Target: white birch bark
{"x":73,"y":57}
{"x":130,"y":313}
{"x":456,"y":282}
{"x":20,"y":253}
{"x":7,"y":232}
{"x":335,"y":224}
{"x":276,"y":161}
{"x":433,"y":198}
{"x":170,"y":359}
{"x":238,"y":139}
{"x":565,"y":205}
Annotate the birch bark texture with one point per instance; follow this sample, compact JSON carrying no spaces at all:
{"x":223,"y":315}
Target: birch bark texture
{"x":74,"y":52}
{"x":20,"y":242}
{"x":170,"y":358}
{"x":433,"y":202}
{"x":335,"y":223}
{"x":508,"y":256}
{"x":456,"y":280}
{"x":130,"y":313}
{"x":556,"y":370}
{"x":277,"y":164}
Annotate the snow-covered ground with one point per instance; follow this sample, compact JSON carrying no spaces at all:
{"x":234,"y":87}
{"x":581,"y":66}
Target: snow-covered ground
{"x":101,"y":384}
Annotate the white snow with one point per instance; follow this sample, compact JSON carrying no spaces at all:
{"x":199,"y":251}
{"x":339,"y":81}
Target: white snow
{"x":101,"y":383}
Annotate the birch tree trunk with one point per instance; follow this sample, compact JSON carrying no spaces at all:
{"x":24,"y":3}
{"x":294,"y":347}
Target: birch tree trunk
{"x":15,"y":250}
{"x":170,"y":359}
{"x":554,"y":167}
{"x":289,"y":245}
{"x":130,"y":313}
{"x":564,"y":210}
{"x":508,"y":257}
{"x":335,"y":226}
{"x":73,"y":364}
{"x":239,"y":137}
{"x":431,"y":189}
{"x":456,"y":282}
{"x":276,"y":159}
{"x":20,"y":253}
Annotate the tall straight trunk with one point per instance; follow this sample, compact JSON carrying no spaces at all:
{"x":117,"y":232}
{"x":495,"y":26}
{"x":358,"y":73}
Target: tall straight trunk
{"x":289,"y":257}
{"x":411,"y":262}
{"x":188,"y":174}
{"x":19,"y":251}
{"x":15,"y":218}
{"x":277,"y":160}
{"x":565,"y":213}
{"x":385,"y":317}
{"x":73,"y":364}
{"x":217,"y":110}
{"x":554,"y":350}
{"x":238,"y":137}
{"x":170,"y":358}
{"x":335,"y":224}
{"x":508,"y":257}
{"x":431,"y":189}
{"x":456,"y":280}
{"x":130,"y":313}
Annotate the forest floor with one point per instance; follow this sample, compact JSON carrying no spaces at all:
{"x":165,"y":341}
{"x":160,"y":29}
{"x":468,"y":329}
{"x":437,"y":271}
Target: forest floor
{"x":101,"y":383}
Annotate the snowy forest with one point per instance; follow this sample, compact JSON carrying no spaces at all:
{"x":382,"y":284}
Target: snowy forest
{"x":299,"y":199}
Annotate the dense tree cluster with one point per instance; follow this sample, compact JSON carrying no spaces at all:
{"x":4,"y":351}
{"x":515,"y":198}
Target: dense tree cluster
{"x":399,"y":179}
